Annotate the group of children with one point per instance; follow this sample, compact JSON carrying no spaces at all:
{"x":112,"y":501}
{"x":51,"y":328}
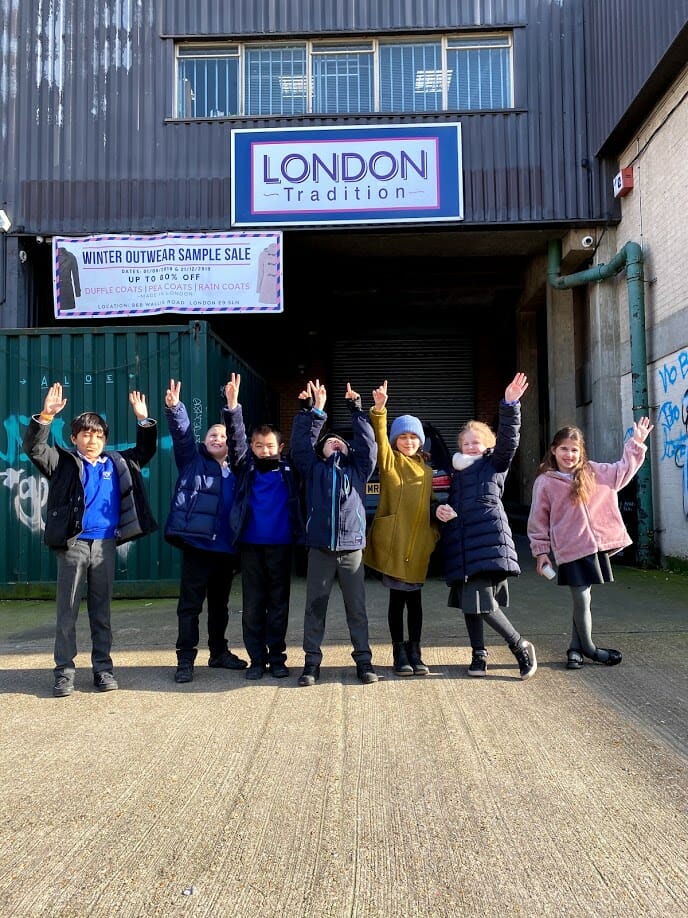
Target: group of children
{"x":240,"y":502}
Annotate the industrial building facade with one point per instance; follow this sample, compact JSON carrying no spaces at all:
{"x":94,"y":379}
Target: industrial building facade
{"x":550,"y":133}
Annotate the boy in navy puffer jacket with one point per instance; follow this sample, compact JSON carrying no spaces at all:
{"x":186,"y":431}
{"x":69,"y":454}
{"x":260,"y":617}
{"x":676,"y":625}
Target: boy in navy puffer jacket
{"x":198,"y":523}
{"x":335,"y":474}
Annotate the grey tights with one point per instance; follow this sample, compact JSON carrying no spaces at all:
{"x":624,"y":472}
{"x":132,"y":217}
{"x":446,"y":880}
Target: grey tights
{"x":581,"y":633}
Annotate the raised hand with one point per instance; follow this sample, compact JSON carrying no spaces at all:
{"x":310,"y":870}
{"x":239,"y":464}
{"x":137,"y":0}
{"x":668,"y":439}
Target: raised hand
{"x":516,"y":388}
{"x":380,"y":396}
{"x":53,"y":402}
{"x":232,"y":390}
{"x":641,"y":429}
{"x":137,"y":401}
{"x":172,"y":394}
{"x":318,"y":393}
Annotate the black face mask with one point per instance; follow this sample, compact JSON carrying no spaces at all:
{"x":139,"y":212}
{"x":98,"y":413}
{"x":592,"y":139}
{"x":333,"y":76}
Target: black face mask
{"x":266,"y":463}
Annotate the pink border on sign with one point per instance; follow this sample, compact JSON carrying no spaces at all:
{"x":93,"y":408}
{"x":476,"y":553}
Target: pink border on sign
{"x":434,"y":141}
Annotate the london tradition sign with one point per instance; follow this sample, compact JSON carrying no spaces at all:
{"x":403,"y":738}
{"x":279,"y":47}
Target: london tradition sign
{"x":381,"y":174}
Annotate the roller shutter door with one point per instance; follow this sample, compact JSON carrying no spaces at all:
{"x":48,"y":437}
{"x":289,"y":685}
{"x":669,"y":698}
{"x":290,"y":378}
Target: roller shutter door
{"x":431,"y":378}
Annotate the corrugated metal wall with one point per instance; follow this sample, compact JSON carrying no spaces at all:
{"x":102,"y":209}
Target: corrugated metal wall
{"x":86,"y":90}
{"x":98,"y":369}
{"x":626,"y":39}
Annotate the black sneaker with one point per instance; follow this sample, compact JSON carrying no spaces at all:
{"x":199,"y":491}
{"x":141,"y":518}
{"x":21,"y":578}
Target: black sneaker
{"x":255,"y":671}
{"x":184,"y":673}
{"x":310,"y":674}
{"x":478,"y":665}
{"x":104,"y":681}
{"x":64,"y":685}
{"x":366,"y":673}
{"x":279,"y":670}
{"x":227,"y":660}
{"x":525,"y":654}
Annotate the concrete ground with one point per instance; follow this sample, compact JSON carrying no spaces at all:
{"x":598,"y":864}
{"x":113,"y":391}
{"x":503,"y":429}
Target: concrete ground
{"x":425,"y":796}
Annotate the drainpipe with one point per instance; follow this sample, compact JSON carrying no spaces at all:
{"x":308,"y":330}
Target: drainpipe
{"x":631,"y":258}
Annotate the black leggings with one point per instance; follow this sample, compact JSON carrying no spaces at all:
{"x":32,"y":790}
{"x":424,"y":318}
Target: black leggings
{"x":395,"y":615}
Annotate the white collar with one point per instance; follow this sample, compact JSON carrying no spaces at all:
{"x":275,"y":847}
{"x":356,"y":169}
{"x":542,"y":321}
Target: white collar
{"x":461,"y":461}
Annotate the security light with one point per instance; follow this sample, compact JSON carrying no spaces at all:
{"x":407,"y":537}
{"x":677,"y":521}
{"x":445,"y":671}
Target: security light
{"x":5,"y":222}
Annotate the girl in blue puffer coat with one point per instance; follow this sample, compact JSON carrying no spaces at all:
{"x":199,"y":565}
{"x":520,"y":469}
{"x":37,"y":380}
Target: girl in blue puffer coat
{"x":478,"y":547}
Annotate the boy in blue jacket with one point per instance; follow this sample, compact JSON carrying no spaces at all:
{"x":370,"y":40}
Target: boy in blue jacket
{"x":335,"y":474}
{"x":265,"y":523}
{"x":96,"y":501}
{"x":198,"y":523}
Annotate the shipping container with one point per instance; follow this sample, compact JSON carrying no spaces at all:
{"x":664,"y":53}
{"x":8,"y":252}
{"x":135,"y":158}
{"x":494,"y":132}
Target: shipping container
{"x":97,"y":368}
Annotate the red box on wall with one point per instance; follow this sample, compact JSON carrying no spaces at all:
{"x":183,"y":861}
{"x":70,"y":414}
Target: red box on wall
{"x":623,"y":182}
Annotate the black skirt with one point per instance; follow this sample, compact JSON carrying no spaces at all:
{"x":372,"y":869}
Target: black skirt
{"x":586,"y":571}
{"x":484,"y":593}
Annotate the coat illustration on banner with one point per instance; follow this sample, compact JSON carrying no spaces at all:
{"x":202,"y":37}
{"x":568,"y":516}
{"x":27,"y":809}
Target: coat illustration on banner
{"x":70,"y":286}
{"x":267,"y":274}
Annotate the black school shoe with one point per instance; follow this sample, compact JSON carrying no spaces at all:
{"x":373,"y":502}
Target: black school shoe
{"x":255,"y":671}
{"x":366,"y":673}
{"x":310,"y":674}
{"x":64,"y":685}
{"x":227,"y":660}
{"x":184,"y":673}
{"x":279,"y":670}
{"x":104,"y":681}
{"x":614,"y":657}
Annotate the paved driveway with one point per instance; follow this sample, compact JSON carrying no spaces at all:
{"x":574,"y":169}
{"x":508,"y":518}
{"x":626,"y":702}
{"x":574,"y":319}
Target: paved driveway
{"x":434,"y":796}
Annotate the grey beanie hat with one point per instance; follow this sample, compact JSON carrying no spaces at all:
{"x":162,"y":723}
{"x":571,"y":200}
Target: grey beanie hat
{"x":406,"y":424}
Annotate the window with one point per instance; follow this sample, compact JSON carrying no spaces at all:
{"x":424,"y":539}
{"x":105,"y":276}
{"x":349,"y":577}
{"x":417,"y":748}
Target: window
{"x":481,"y":70}
{"x":207,"y":81}
{"x":459,"y":72}
{"x":276,"y":81}
{"x":343,"y":78}
{"x":411,"y":78}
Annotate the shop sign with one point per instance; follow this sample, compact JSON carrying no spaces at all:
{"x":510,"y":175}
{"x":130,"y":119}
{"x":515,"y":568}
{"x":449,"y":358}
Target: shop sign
{"x":374,"y":174}
{"x":115,"y":276}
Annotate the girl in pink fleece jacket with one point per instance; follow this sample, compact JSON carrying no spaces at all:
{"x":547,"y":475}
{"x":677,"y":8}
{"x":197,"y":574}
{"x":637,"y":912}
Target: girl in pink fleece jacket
{"x":575,"y":515}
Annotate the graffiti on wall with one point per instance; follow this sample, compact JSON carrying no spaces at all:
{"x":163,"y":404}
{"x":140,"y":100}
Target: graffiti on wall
{"x":672,"y":417}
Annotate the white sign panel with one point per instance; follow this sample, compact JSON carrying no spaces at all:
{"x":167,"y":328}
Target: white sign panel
{"x":113,"y":276}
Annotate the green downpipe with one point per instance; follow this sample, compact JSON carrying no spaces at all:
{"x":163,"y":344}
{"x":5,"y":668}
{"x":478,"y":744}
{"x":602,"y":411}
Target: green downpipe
{"x":631,"y":258}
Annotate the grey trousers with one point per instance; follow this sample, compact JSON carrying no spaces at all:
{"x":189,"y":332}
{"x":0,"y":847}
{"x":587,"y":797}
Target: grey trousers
{"x":89,"y":565}
{"x":323,"y":568}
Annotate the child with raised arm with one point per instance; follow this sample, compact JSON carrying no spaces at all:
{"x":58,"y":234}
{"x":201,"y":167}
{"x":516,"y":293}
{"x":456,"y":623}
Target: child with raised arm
{"x":265,"y":522}
{"x":198,"y":524}
{"x":335,"y":474}
{"x":479,"y":549}
{"x":575,"y":517}
{"x":96,"y":501}
{"x":403,"y":533}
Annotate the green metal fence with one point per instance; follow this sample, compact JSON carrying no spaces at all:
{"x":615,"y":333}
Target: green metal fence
{"x":97,"y":369}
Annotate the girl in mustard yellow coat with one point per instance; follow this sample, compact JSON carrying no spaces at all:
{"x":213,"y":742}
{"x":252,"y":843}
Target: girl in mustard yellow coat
{"x":403,"y":533}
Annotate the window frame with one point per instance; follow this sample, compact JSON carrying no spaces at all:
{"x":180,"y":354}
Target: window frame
{"x":499,"y":39}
